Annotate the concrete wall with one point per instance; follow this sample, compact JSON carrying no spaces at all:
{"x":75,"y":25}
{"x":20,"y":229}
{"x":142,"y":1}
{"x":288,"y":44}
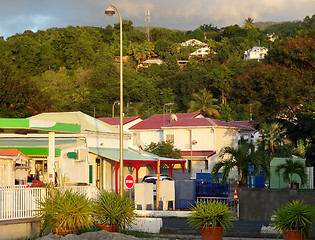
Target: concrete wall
{"x":18,"y":229}
{"x":258,"y":204}
{"x":7,"y":167}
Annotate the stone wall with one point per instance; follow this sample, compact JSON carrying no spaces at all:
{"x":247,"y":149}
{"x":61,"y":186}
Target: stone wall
{"x":258,"y":204}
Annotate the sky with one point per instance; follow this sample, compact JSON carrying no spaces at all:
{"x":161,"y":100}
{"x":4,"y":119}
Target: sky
{"x":16,"y":16}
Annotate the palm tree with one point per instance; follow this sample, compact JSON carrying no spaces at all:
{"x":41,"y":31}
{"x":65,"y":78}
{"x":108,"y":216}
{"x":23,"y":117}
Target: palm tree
{"x":240,"y":158}
{"x":291,"y":167}
{"x":272,"y":135}
{"x":248,"y":23}
{"x":204,"y":103}
{"x":141,"y":51}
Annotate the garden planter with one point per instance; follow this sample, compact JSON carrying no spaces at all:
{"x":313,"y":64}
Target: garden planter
{"x":295,"y":185}
{"x":293,"y":235}
{"x":208,"y":233}
{"x":63,"y":232}
{"x":107,"y":227}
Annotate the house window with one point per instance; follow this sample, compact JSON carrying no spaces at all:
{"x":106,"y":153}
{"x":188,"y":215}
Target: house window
{"x":170,"y":137}
{"x":206,"y":165}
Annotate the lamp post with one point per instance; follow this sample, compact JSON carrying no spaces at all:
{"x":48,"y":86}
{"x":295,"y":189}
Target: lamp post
{"x":113,"y":108}
{"x":110,"y":11}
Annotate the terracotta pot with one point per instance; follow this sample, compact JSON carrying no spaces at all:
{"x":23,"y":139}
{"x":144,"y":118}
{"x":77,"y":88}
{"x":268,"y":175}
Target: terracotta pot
{"x":293,"y":235}
{"x":107,"y":227}
{"x":62,"y":232}
{"x":208,"y":233}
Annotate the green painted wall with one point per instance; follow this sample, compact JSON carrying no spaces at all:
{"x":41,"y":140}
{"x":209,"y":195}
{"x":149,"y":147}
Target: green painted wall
{"x":276,"y":181}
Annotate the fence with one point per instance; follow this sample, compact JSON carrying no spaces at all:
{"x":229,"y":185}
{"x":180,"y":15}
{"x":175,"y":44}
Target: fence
{"x":234,"y":206}
{"x":18,"y":202}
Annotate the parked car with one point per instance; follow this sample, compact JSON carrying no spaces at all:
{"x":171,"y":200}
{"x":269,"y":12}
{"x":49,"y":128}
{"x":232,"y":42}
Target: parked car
{"x":152,"y":178}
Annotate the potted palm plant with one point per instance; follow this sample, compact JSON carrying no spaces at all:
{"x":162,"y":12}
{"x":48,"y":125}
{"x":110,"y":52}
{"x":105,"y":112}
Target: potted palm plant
{"x":213,"y":218}
{"x":64,"y":211}
{"x":294,"y":220}
{"x":113,"y":211}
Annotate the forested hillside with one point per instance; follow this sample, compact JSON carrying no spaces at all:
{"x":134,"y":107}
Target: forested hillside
{"x":74,"y":69}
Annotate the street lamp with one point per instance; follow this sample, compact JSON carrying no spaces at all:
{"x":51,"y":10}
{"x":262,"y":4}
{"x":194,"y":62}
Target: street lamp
{"x":113,"y":108}
{"x":110,"y":11}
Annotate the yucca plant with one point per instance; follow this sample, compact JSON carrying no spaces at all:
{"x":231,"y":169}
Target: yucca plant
{"x":210,"y":214}
{"x":65,"y":211}
{"x":113,"y":209}
{"x":296,"y":216}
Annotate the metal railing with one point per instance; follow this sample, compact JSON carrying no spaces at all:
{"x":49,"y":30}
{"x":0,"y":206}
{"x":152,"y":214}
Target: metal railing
{"x":19,"y":202}
{"x":234,"y":206}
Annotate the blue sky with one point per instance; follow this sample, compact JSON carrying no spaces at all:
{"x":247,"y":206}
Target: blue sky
{"x":16,"y":16}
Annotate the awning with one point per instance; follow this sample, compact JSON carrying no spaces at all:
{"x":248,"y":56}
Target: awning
{"x":114,"y":154}
{"x":24,"y":126}
{"x":38,"y":146}
{"x":136,"y":158}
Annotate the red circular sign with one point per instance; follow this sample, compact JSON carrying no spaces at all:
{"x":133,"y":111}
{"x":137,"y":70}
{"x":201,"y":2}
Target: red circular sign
{"x":129,"y":181}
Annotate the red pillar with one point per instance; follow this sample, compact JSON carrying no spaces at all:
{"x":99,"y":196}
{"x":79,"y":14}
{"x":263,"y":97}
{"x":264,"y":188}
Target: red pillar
{"x":171,"y":166}
{"x":137,"y":167}
{"x":183,"y":167}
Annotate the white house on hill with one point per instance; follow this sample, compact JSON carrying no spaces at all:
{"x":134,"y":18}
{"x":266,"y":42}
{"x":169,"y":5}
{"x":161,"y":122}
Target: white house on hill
{"x":201,"y":52}
{"x":193,"y":42}
{"x":257,"y":53}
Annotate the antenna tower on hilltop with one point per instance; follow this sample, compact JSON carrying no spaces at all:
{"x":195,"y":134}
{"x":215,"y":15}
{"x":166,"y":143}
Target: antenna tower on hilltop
{"x":147,"y":24}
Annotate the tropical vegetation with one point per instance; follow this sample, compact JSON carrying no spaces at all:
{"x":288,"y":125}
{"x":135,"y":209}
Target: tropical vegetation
{"x":294,"y":216}
{"x":77,"y":69}
{"x":65,"y":211}
{"x":163,"y":149}
{"x":210,"y":214}
{"x":114,"y":209}
{"x":291,"y":167}
{"x":242,"y":158}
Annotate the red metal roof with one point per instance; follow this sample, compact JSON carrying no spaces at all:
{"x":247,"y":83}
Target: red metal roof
{"x":245,"y":125}
{"x":198,"y":153}
{"x":199,"y":122}
{"x":160,"y":120}
{"x":116,"y":121}
{"x":9,"y":152}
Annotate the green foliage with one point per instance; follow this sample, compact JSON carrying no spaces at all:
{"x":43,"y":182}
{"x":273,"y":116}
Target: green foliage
{"x":74,"y":69}
{"x":249,"y":23}
{"x":204,"y":103}
{"x":295,"y":215}
{"x":163,"y":149}
{"x":225,"y":113}
{"x":273,"y":135}
{"x":240,"y":158}
{"x":291,"y":167}
{"x":111,"y":208}
{"x":64,"y":210}
{"x":197,"y":34}
{"x":210,"y":214}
